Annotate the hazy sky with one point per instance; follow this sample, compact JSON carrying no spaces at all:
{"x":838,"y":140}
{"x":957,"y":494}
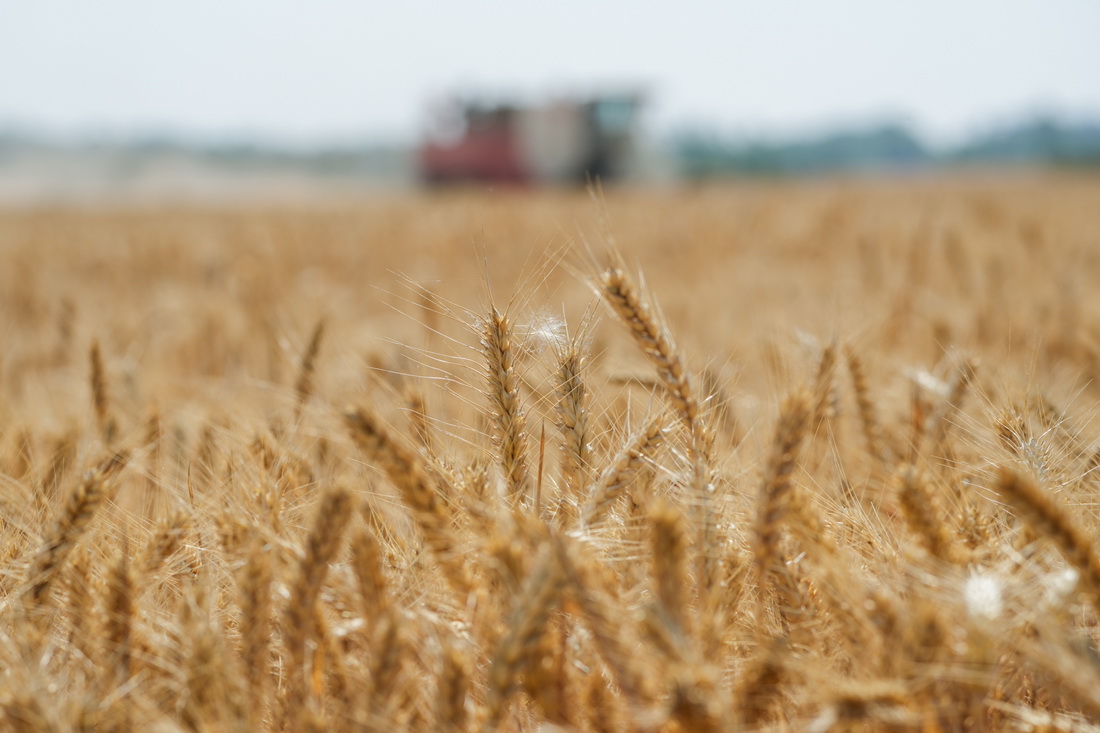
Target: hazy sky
{"x":310,"y":70}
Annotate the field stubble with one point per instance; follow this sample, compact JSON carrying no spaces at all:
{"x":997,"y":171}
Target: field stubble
{"x":809,"y":456}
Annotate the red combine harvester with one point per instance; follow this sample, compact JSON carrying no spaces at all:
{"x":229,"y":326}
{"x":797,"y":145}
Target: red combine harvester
{"x":557,"y":143}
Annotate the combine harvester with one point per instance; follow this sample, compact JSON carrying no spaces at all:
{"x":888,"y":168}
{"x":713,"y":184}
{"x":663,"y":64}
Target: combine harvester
{"x":562,"y":142}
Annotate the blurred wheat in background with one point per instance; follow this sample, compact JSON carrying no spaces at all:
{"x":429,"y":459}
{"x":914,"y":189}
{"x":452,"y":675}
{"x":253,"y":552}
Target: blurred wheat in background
{"x":740,"y":457}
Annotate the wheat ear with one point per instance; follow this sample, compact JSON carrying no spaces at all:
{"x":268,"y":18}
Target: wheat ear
{"x":602,"y":611}
{"x":303,"y":387}
{"x":93,"y":490}
{"x":454,"y":684}
{"x":538,"y":598}
{"x":108,"y":427}
{"x":868,"y":417}
{"x":324,"y":540}
{"x":620,"y":292}
{"x":366,"y":556}
{"x":573,"y":419}
{"x":926,"y":517}
{"x":824,"y":386}
{"x":631,"y":460}
{"x":406,"y":471}
{"x":509,"y":420}
{"x":775,"y":492}
{"x":255,"y":624}
{"x":670,"y":546}
{"x":1045,"y":514}
{"x":120,"y":612}
{"x":651,"y":336}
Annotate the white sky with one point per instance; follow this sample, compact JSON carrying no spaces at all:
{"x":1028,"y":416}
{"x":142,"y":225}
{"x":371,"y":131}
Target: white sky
{"x":341,"y":68}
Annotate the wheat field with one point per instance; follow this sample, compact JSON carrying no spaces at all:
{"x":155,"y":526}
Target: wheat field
{"x":815,"y":456}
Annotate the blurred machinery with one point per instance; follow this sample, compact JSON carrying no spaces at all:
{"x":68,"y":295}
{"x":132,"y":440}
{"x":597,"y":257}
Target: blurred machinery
{"x":555,"y":143}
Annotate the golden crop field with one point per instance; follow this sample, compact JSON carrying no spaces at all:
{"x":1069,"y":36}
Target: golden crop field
{"x":814,"y":456}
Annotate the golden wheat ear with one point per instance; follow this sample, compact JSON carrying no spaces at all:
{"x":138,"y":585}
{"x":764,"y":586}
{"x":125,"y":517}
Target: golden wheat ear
{"x":1049,"y":518}
{"x":105,"y":420}
{"x":539,"y":596}
{"x":452,"y":714}
{"x":622,"y":294}
{"x":506,"y":411}
{"x":631,"y":460}
{"x":776,"y":490}
{"x":670,"y":545}
{"x":926,"y":517}
{"x":407,"y":472}
{"x":650,"y":334}
{"x":255,"y":625}
{"x":574,"y":421}
{"x":873,"y":433}
{"x":305,"y":384}
{"x":120,"y":612}
{"x":94,"y":489}
{"x":823,"y":406}
{"x":333,"y":515}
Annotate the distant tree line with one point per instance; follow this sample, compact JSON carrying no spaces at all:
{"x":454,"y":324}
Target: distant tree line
{"x":887,"y":147}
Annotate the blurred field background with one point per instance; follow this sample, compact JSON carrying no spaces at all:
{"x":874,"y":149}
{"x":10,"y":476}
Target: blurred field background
{"x":919,"y":266}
